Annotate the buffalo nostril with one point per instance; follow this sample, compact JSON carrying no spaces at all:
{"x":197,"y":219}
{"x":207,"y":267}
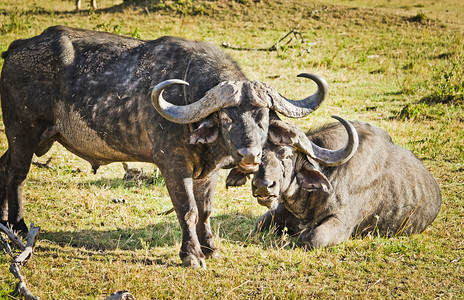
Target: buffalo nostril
{"x":250,"y":155}
{"x":263,"y":183}
{"x":269,"y":183}
{"x":256,"y":152}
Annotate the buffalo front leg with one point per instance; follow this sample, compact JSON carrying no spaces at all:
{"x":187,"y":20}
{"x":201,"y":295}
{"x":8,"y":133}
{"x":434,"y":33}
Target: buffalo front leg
{"x":330,"y":232}
{"x":183,"y":199}
{"x":279,"y":219}
{"x":204,"y":193}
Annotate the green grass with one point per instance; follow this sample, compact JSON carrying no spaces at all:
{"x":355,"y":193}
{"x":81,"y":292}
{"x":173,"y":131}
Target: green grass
{"x":396,"y":64}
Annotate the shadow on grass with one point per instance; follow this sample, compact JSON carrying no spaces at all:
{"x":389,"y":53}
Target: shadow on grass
{"x":125,"y":244}
{"x":198,"y":7}
{"x":40,"y":11}
{"x":163,"y":234}
{"x":186,"y":7}
{"x":234,"y":227}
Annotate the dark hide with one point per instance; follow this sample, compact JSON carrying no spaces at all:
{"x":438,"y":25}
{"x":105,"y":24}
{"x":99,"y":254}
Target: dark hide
{"x":383,"y":189}
{"x":90,"y":91}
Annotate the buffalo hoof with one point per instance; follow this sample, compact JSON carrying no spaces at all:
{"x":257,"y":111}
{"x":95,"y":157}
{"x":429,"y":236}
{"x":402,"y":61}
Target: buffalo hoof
{"x":210,"y":253}
{"x":306,"y":239}
{"x":20,"y":227}
{"x":310,"y":240}
{"x":194,"y":262}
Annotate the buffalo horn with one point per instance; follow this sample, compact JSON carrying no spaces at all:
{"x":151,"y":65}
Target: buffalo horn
{"x":326,"y":156}
{"x":182,"y":114}
{"x":302,"y":108}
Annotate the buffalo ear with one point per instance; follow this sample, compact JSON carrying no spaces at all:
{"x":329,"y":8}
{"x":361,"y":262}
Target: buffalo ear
{"x":282,"y":133}
{"x":236,"y":178}
{"x":207,"y":132}
{"x":313,"y":180}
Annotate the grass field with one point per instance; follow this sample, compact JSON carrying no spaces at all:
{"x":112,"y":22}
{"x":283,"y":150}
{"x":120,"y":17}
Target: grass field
{"x":396,"y":64}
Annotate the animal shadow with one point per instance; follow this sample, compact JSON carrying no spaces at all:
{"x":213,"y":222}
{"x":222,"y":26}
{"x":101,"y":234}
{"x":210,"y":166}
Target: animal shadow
{"x":234,"y":227}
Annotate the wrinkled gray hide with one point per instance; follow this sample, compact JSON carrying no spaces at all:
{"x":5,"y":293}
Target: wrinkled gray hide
{"x":383,"y":189}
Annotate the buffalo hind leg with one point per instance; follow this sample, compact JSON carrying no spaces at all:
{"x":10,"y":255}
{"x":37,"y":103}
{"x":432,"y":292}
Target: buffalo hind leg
{"x":4,"y":166}
{"x":11,"y":212}
{"x":204,"y":193}
{"x":14,"y":166}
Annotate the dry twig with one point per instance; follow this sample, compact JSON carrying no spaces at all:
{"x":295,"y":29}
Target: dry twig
{"x":22,"y":258}
{"x":138,"y":175}
{"x":13,"y":237}
{"x":294,"y":31}
{"x":121,"y":295}
{"x":44,"y":165}
{"x":167,"y":212}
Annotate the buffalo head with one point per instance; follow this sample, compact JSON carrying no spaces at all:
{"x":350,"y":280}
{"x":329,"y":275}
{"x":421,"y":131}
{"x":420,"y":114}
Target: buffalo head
{"x":290,"y":171}
{"x":241,"y":116}
{"x":285,"y":169}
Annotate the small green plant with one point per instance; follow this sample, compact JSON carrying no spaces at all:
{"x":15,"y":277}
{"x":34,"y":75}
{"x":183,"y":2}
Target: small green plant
{"x":448,"y":84}
{"x":109,"y":27}
{"x":412,"y":111}
{"x":136,"y":33}
{"x":422,"y":111}
{"x":158,"y":180}
{"x":419,"y":18}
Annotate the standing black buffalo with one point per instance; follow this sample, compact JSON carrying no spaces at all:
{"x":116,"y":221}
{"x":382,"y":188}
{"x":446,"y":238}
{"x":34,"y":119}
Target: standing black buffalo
{"x":383,"y":189}
{"x":90,"y":91}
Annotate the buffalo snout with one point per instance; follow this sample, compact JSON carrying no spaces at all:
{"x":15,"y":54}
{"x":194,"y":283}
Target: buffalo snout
{"x":265,"y":191}
{"x":250,"y":159}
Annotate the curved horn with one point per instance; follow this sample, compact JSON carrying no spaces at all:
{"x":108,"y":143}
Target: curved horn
{"x":302,"y":108}
{"x":182,"y":114}
{"x":331,"y":157}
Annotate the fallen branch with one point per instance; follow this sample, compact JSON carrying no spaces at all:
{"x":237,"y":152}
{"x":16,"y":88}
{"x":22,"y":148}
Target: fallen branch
{"x":294,"y":31}
{"x":13,"y":237}
{"x":44,"y":165}
{"x":121,"y":295}
{"x":6,"y":245}
{"x":167,"y":212}
{"x":138,"y":175}
{"x":22,"y":258}
{"x":26,"y":254}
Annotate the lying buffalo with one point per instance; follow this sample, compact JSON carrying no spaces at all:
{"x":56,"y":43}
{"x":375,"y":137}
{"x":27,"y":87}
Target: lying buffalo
{"x":101,"y":96}
{"x":383,"y":189}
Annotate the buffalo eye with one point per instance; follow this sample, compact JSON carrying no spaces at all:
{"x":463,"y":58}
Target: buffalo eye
{"x":285,"y":153}
{"x":260,"y":117}
{"x":226,"y":120}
